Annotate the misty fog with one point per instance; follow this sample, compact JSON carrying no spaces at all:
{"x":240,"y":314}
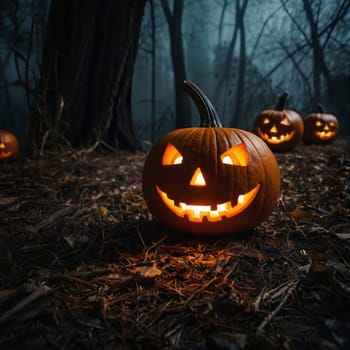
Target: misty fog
{"x":242,"y":53}
{"x":278,"y":57}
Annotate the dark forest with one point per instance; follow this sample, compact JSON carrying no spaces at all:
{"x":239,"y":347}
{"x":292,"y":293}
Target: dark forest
{"x":174,"y":174}
{"x":243,"y":54}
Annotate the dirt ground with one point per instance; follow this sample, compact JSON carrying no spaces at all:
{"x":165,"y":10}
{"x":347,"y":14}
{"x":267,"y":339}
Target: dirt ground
{"x":83,"y":265}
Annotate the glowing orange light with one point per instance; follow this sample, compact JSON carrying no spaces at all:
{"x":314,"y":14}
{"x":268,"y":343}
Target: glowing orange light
{"x":324,"y":135}
{"x":197,"y":178}
{"x":3,"y":153}
{"x":196,"y":213}
{"x":285,"y":122}
{"x":276,"y":139}
{"x":236,"y":155}
{"x":171,"y":155}
{"x":273,"y":129}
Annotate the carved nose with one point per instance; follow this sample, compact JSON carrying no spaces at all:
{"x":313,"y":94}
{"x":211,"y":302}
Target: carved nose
{"x":274,"y":129}
{"x":326,"y":128}
{"x":197,"y":178}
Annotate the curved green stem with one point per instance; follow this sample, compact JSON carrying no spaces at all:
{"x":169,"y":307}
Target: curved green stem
{"x":208,"y":116}
{"x":281,"y":102}
{"x":321,"y":109}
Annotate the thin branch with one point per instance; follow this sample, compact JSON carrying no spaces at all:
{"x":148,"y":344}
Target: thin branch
{"x":221,"y":21}
{"x":262,"y":31}
{"x":274,"y":312}
{"x":166,"y":10}
{"x":297,"y":67}
{"x":28,"y":62}
{"x":35,"y":294}
{"x":292,"y":18}
{"x":341,"y":13}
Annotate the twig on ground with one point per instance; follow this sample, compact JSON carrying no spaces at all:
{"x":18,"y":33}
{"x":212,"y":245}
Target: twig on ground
{"x":35,"y":294}
{"x":274,"y":312}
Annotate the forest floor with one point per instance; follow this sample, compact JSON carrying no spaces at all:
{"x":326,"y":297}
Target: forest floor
{"x":84,"y":266}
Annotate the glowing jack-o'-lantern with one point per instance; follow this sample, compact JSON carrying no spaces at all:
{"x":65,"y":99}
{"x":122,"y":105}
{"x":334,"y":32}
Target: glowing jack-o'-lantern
{"x":210,"y":180}
{"x":320,"y":128}
{"x":281,"y":129}
{"x":9,"y":145}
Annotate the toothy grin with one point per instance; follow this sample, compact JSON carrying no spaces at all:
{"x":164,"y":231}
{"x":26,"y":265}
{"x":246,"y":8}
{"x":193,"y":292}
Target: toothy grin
{"x":324,"y":135}
{"x":276,"y":139}
{"x":196,"y":213}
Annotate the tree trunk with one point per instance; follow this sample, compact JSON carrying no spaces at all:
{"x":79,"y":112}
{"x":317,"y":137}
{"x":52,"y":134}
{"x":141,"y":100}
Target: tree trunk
{"x":153,"y":73}
{"x":174,"y":19}
{"x":316,"y":50}
{"x":87,"y":69}
{"x":221,"y":93}
{"x":221,"y":20}
{"x":320,"y":67}
{"x":10,"y":121}
{"x":240,"y":91}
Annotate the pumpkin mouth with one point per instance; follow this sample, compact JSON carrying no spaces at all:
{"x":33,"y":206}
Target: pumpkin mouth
{"x":324,"y":135}
{"x":275,"y":138}
{"x":4,"y":154}
{"x":196,"y":213}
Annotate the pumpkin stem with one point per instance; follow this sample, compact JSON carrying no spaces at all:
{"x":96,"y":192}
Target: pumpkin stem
{"x":208,"y":115}
{"x":281,"y":102}
{"x":321,"y":108}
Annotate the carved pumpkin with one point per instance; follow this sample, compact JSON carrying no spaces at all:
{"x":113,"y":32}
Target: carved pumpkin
{"x":9,"y":145}
{"x":281,"y":129}
{"x":320,"y":128}
{"x":210,"y":180}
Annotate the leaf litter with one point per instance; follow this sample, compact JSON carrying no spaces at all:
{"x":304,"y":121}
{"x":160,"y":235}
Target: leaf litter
{"x":84,"y":265}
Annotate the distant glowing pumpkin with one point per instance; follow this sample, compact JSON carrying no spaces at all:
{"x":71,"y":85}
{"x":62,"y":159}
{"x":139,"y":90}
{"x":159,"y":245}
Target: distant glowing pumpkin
{"x":210,"y":180}
{"x":9,"y":145}
{"x":320,"y":128}
{"x":281,"y":129}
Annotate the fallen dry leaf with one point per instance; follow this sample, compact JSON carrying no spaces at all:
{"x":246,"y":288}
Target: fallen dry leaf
{"x":147,"y":271}
{"x":302,"y":215}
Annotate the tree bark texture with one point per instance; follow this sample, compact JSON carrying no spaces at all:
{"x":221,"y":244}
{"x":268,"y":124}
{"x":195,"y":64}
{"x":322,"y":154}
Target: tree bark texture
{"x":318,"y":46}
{"x":174,"y":19}
{"x":153,"y":72}
{"x":221,"y":90}
{"x":240,"y":91}
{"x":88,"y":62}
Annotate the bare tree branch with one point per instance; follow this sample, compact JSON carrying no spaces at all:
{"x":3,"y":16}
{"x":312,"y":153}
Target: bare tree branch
{"x":296,"y":64}
{"x":293,"y":19}
{"x":342,"y":11}
{"x":262,"y":31}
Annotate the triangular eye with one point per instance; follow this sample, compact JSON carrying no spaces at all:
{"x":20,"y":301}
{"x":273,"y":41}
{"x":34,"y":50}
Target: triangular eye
{"x":171,"y":155}
{"x":266,"y":121}
{"x":237,"y":155}
{"x":331,"y":124}
{"x":285,"y":122}
{"x":318,"y":123}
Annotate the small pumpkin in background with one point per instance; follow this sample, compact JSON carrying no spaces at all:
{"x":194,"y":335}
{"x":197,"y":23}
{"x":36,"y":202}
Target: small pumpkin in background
{"x":210,"y":180}
{"x":320,"y":128}
{"x":9,"y":145}
{"x":281,"y":129}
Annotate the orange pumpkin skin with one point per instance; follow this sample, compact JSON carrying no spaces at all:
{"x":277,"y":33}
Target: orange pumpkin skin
{"x":238,"y":187}
{"x":281,"y":129}
{"x":9,"y":145}
{"x":320,"y":128}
